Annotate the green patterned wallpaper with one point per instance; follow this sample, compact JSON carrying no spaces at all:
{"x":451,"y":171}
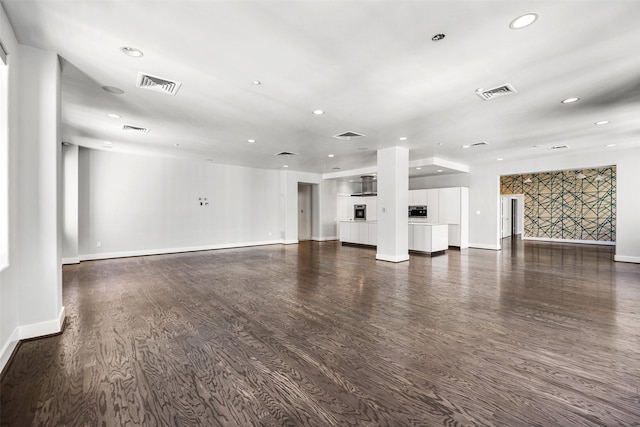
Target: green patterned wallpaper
{"x":571,"y":204}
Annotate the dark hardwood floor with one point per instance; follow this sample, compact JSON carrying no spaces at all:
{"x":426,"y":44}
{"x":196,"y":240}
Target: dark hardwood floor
{"x":320,"y":334}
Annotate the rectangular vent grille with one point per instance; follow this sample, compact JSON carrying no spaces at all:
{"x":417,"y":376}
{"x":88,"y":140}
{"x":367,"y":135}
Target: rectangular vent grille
{"x":348,"y":136}
{"x":158,"y":84}
{"x":285,"y":153}
{"x":558,"y":147}
{"x":495,"y":92}
{"x":127,"y":128}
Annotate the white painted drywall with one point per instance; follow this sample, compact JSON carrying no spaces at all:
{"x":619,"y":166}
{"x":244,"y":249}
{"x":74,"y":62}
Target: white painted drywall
{"x":31,"y":287}
{"x":134,"y":204}
{"x":70,"y":253}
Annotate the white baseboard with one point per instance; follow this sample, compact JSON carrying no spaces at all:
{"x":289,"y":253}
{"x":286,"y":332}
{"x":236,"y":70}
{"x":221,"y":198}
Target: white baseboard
{"x":483,"y":246}
{"x":9,"y":347}
{"x":623,"y":258}
{"x":73,"y":260}
{"x":392,"y":258}
{"x":25,"y":332}
{"x":324,"y":239}
{"x":144,"y":252}
{"x":289,"y":242}
{"x":583,"y":242}
{"x":43,"y":328}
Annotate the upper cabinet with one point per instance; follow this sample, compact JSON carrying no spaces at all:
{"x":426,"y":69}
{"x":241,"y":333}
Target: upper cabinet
{"x":449,"y":205}
{"x":417,"y":197}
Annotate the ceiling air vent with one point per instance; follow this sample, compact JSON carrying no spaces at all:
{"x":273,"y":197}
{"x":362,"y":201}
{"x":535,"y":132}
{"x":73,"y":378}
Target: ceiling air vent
{"x":285,"y":153}
{"x":348,"y":136}
{"x":135,"y":129}
{"x":558,"y":147}
{"x":495,"y":92}
{"x":158,"y":84}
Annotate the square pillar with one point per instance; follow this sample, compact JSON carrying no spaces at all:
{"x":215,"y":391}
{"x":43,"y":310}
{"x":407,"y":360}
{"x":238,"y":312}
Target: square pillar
{"x":392,"y":204}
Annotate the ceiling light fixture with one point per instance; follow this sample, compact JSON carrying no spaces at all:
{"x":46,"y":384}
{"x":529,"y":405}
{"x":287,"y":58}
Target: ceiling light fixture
{"x":438,"y":37}
{"x":251,"y":141}
{"x":610,"y":145}
{"x":418,"y":168}
{"x":113,"y":90}
{"x":499,"y":159}
{"x":602,"y":122}
{"x":523,"y":21}
{"x":318,"y":112}
{"x":403,"y":138}
{"x":256,"y":82}
{"x":466,"y":146}
{"x":439,"y":170}
{"x":114,"y":116}
{"x":285,"y":166}
{"x":570,"y":100}
{"x":331,"y":155}
{"x":107,"y":143}
{"x":131,"y":51}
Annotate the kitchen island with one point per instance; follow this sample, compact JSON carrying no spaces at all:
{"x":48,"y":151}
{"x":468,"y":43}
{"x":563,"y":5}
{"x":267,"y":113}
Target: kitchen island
{"x":428,"y":238}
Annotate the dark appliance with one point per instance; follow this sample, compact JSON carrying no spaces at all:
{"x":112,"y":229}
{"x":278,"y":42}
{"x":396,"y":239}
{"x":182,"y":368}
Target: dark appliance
{"x":417,"y":211}
{"x":360,"y":212}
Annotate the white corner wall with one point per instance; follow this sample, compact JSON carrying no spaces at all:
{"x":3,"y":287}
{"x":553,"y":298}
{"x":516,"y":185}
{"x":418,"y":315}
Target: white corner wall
{"x":31,"y":287}
{"x":70,"y":236}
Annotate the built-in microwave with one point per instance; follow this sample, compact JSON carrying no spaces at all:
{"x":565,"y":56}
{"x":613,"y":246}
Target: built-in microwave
{"x":360,"y":212}
{"x":417,"y":211}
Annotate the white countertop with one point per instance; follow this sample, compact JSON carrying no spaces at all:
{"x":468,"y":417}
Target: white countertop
{"x":355,"y":221}
{"x":427,"y":223}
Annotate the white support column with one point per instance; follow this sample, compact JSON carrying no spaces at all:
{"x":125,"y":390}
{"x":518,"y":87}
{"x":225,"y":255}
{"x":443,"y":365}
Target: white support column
{"x":70,"y":234}
{"x":393,"y":199}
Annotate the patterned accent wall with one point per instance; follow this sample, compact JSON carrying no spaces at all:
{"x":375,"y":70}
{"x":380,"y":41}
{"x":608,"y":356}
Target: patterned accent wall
{"x":571,"y":204}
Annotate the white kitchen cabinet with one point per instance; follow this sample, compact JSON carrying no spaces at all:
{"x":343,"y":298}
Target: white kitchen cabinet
{"x":428,"y":237}
{"x":360,"y":232}
{"x":449,"y":205}
{"x":417,"y":197}
{"x":373,"y":233}
{"x":372,"y":205}
{"x":433,"y":205}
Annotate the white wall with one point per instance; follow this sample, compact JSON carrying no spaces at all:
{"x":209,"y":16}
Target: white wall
{"x":31,"y":287}
{"x":135,"y":205}
{"x":484,"y":194}
{"x":70,"y":236}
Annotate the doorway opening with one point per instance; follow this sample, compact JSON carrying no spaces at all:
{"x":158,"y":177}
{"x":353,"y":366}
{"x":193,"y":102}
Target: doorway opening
{"x":305,"y":211}
{"x":512,"y":216}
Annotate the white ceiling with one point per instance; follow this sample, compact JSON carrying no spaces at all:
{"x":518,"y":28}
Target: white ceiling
{"x":371,"y":66}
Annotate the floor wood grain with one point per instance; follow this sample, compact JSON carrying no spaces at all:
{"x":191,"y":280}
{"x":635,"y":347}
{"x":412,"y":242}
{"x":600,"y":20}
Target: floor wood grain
{"x":320,"y":334}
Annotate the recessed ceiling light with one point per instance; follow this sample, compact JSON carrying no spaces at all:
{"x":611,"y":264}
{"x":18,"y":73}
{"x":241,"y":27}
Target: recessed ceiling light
{"x":108,"y":143}
{"x":438,"y":37}
{"x":177,"y":145}
{"x":114,"y":116}
{"x":285,"y":166}
{"x":318,"y":112}
{"x":499,"y":159}
{"x":610,"y":145}
{"x":439,"y":170}
{"x":418,"y":168}
{"x":602,"y":122}
{"x":466,"y":146}
{"x":570,"y":100}
{"x":251,"y":141}
{"x":131,"y":51}
{"x":523,"y":21}
{"x":113,"y":90}
{"x":256,"y":82}
{"x":440,"y":143}
{"x":403,"y":138}
{"x":331,"y":155}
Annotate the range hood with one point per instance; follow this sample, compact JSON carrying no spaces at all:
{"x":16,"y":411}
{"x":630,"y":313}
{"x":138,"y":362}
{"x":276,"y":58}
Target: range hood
{"x":368,"y":187}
